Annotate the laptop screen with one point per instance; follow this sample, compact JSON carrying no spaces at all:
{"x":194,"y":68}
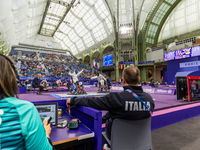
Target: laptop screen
{"x":47,"y":110}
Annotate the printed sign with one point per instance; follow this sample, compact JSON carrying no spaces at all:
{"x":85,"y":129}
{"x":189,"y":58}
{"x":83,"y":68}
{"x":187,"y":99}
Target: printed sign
{"x":190,"y":64}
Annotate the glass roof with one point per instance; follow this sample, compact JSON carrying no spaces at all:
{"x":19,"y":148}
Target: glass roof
{"x":125,"y":10}
{"x":185,"y":17}
{"x":162,"y":10}
{"x":87,"y":23}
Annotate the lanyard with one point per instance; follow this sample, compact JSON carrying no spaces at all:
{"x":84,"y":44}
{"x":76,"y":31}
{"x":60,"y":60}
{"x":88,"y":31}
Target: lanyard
{"x":138,"y":98}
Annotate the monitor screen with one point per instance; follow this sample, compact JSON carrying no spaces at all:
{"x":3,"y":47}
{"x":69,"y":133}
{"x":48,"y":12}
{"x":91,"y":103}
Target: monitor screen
{"x":108,"y":60}
{"x":105,"y":63}
{"x":169,"y":56}
{"x":105,"y":58}
{"x":183,"y":53}
{"x":195,"y":51}
{"x":110,"y":57}
{"x":179,"y":54}
{"x":47,"y":110}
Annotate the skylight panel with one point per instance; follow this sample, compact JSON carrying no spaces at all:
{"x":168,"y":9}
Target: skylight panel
{"x":81,"y":9}
{"x":32,"y":2}
{"x":29,"y":31}
{"x":191,"y":18}
{"x":101,"y":9}
{"x":190,"y":2}
{"x":30,"y":23}
{"x":92,"y":2}
{"x":75,"y":52}
{"x":56,"y":39}
{"x":179,"y":14}
{"x":84,"y":25}
{"x":63,"y":45}
{"x":59,"y":35}
{"x":109,"y":24}
{"x":67,"y":41}
{"x":76,"y":38}
{"x":179,"y":22}
{"x":62,"y":27}
{"x":191,"y":9}
{"x":80,"y":45}
{"x":72,"y":35}
{"x":80,"y":29}
{"x":91,"y":19}
{"x":51,"y":20}
{"x":65,"y":28}
{"x":56,"y":9}
{"x":88,"y":39}
{"x":73,"y":48}
{"x":32,"y":12}
{"x":49,"y":27}
{"x":171,"y":1}
{"x":166,"y":27}
{"x":71,"y":19}
{"x":48,"y":17}
{"x":99,"y":32}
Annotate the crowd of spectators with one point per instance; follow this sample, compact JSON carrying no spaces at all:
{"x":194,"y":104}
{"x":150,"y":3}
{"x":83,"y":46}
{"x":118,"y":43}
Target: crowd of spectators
{"x":67,"y":58}
{"x":54,"y":69}
{"x":13,"y":54}
{"x":42,"y":56}
{"x":30,"y":56}
{"x":51,"y":67}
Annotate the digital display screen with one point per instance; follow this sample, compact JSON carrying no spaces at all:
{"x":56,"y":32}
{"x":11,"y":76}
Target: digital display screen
{"x":72,"y":125}
{"x":183,"y":53}
{"x":169,"y":56}
{"x":47,"y":111}
{"x":108,"y":60}
{"x":195,"y":51}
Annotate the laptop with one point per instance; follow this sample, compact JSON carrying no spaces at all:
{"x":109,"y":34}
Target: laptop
{"x":47,"y":110}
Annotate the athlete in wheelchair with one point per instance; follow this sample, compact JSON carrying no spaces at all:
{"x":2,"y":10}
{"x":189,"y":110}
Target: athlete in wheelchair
{"x":80,"y":88}
{"x":102,"y":85}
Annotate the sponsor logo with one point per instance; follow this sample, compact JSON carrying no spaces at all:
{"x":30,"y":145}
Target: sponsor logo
{"x":161,"y":91}
{"x":149,"y":90}
{"x":169,"y":91}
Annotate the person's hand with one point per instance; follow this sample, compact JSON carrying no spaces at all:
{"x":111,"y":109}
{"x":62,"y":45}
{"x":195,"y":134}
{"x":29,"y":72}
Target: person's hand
{"x":68,"y":102}
{"x":47,"y":129}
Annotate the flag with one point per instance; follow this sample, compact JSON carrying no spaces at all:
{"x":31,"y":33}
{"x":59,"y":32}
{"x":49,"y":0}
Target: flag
{"x":124,"y":66}
{"x":120,"y":66}
{"x":128,"y":65}
{"x":132,"y":65}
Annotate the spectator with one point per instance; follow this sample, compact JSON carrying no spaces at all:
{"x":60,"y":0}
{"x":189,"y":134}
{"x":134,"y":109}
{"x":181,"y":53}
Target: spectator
{"x":21,"y":125}
{"x":108,"y":83}
{"x":26,"y":82}
{"x":120,"y":105}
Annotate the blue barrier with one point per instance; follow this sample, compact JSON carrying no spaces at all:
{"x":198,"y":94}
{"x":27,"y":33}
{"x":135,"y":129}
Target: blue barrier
{"x":85,"y":81}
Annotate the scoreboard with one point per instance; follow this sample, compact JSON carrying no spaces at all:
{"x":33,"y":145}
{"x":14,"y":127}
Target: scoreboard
{"x":183,"y":53}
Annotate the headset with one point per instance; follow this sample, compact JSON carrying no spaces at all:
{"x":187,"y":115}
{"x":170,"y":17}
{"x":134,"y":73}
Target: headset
{"x":13,"y":66}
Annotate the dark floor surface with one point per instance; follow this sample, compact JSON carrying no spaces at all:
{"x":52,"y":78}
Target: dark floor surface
{"x":184,"y":135}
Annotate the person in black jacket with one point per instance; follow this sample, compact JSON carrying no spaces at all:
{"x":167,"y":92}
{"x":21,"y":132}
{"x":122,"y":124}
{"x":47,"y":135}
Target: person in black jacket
{"x":36,"y":84}
{"x":108,"y":83}
{"x":120,"y":104}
